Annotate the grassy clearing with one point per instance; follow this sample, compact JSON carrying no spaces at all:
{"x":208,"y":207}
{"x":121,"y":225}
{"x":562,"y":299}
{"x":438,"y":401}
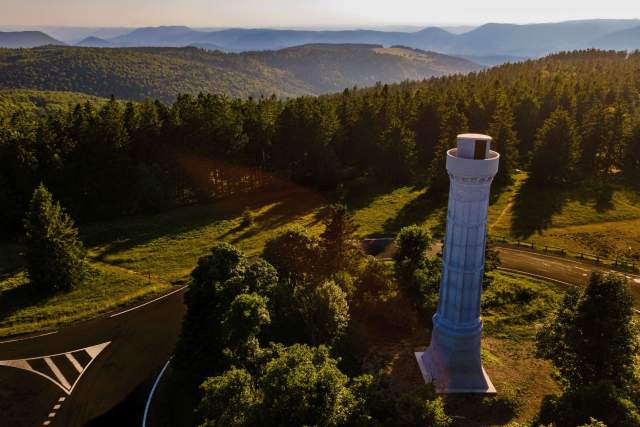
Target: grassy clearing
{"x":168,"y":245}
{"x":604,"y":222}
{"x":106,"y":289}
{"x":513,"y":308}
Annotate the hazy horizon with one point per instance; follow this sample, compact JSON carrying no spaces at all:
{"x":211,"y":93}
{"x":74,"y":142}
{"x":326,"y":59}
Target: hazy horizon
{"x":316,"y":14}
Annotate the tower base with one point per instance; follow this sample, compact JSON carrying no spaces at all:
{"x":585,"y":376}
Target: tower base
{"x":471,"y":382}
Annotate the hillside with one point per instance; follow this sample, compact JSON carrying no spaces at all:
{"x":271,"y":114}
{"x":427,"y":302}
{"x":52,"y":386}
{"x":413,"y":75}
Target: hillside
{"x":94,"y":42}
{"x":41,"y":102}
{"x":138,"y":73}
{"x":626,"y":39}
{"x":26,"y":39}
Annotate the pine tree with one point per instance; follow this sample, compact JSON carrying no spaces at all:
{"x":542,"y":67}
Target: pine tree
{"x":55,"y":255}
{"x":453,"y":124}
{"x":339,"y":244}
{"x":556,"y":151}
{"x":504,"y":139}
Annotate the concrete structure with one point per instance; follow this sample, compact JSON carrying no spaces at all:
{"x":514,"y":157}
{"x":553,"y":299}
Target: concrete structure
{"x":452,"y":360}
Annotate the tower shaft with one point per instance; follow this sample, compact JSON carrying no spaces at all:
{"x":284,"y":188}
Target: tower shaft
{"x":452,"y":360}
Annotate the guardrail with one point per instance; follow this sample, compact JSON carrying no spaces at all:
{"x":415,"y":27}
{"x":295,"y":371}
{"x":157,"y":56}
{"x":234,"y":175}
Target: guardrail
{"x":618,"y":262}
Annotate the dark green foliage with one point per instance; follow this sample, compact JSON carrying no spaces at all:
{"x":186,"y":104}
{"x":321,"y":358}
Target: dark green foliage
{"x":593,"y":342}
{"x":241,"y":325}
{"x":229,"y":400}
{"x":593,"y":336}
{"x":421,"y":409}
{"x":303,"y":386}
{"x":505,"y":141}
{"x":600,"y":400}
{"x":294,"y":253}
{"x":108,"y":159}
{"x":374,"y":279}
{"x":340,"y":246}
{"x":555,"y":156}
{"x":164,"y":73}
{"x":297,"y":385}
{"x":247,"y":218}
{"x":55,"y":255}
{"x":227,"y":308}
{"x":453,"y":123}
{"x":329,"y":314}
{"x":417,"y":275}
{"x":412,"y":243}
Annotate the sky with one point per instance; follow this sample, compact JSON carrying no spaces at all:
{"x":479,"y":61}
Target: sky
{"x":304,"y":13}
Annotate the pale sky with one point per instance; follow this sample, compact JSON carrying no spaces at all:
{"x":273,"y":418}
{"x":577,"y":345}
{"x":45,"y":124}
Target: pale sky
{"x":300,"y":13}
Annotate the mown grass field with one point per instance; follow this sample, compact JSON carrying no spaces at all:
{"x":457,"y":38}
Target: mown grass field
{"x":106,"y":288}
{"x":168,"y":245}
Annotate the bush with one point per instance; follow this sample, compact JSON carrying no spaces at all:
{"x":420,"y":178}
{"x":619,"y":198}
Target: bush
{"x":602,"y":401}
{"x":228,"y":400}
{"x":247,"y":218}
{"x":330,"y":314}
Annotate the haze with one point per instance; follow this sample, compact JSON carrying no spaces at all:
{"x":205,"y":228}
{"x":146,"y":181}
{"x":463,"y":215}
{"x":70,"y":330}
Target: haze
{"x":302,"y":13}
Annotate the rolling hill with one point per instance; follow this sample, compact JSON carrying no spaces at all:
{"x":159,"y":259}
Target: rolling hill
{"x":626,"y":39}
{"x":41,"y":102}
{"x":138,"y":73}
{"x":94,"y":42}
{"x":26,"y":39}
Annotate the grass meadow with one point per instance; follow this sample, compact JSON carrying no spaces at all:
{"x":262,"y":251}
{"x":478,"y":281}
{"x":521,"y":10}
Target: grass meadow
{"x":166,"y":246}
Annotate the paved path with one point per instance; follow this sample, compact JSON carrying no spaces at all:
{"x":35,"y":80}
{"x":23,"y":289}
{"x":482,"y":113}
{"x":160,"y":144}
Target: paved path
{"x":74,"y":375}
{"x":71,"y":376}
{"x":560,"y":269}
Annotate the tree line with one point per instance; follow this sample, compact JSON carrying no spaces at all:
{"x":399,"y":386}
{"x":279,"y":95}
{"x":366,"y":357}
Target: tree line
{"x":570,"y":117}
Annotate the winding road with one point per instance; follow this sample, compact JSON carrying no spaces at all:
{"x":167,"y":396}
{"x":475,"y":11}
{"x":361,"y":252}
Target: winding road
{"x":72,"y":376}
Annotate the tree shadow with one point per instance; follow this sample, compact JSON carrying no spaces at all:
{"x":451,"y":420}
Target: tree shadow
{"x":20,"y":297}
{"x":361,"y":192}
{"x":417,"y":211}
{"x":122,"y":235}
{"x":284,"y":212}
{"x":478,"y":411}
{"x":534,"y":207}
{"x":11,"y":260}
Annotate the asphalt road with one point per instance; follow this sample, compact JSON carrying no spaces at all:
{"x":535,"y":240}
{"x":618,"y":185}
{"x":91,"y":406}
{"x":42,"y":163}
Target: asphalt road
{"x":139,"y":342}
{"x":76,"y":374}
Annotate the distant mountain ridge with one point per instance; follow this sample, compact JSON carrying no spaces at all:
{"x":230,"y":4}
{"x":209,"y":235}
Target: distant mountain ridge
{"x":490,"y":44}
{"x":164,"y":73}
{"x":26,"y":39}
{"x":628,"y":39}
{"x":506,"y":40}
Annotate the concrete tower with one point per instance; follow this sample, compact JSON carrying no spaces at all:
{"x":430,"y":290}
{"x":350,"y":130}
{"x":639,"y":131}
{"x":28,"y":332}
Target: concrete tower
{"x":452,"y":360}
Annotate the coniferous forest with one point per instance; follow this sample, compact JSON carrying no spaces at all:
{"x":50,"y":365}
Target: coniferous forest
{"x":569,"y":118}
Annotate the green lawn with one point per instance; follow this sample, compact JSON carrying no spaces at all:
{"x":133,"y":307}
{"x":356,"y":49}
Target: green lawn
{"x":168,"y":245}
{"x":106,"y":288}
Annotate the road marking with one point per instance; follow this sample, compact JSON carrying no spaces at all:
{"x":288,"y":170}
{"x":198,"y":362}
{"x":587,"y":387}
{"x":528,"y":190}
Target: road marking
{"x":560,"y":260}
{"x":74,"y":362}
{"x":149,"y":302}
{"x":28,"y":338}
{"x":147,"y":406}
{"x":44,"y":366}
{"x":537,"y":276}
{"x":61,"y":379}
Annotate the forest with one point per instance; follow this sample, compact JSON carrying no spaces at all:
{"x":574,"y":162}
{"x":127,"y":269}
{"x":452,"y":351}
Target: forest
{"x":571,"y":118}
{"x":165,"y":73}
